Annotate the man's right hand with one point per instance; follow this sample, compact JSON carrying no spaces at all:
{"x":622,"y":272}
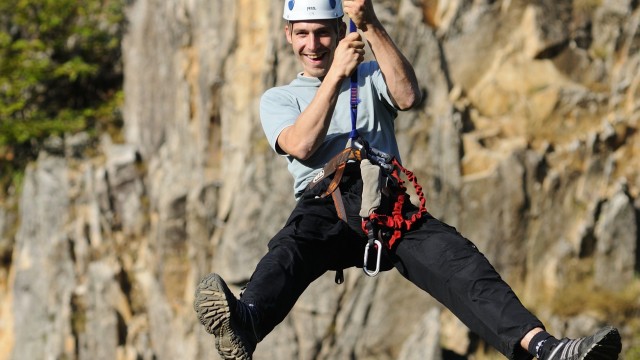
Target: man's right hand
{"x":348,"y":55}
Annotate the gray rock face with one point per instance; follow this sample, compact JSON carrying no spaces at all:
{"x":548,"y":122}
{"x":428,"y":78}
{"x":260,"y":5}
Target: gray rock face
{"x":616,"y":249}
{"x":527,"y":142}
{"x":44,"y":275}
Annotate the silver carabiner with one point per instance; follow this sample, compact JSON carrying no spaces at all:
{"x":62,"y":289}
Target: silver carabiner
{"x":374,"y":272}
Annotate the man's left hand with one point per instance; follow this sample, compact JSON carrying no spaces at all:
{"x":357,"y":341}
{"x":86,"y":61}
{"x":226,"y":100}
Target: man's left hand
{"x":360,"y":12}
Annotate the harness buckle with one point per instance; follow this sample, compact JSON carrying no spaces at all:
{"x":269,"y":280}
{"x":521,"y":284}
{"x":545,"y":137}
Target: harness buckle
{"x":376,"y":156}
{"x":378,"y":247}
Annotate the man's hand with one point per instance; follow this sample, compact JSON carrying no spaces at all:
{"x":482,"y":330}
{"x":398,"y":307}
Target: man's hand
{"x":402,"y":84}
{"x":360,"y":12}
{"x":348,"y":55}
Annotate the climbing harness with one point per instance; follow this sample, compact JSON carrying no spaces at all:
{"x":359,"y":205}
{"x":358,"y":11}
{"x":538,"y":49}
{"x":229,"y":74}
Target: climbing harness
{"x":373,"y":221}
{"x":377,"y":167}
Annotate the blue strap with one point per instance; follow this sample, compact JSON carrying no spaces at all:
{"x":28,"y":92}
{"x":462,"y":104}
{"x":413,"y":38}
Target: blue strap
{"x":354,"y":94}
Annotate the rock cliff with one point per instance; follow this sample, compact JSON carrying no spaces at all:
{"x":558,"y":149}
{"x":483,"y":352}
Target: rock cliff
{"x":527,"y":141}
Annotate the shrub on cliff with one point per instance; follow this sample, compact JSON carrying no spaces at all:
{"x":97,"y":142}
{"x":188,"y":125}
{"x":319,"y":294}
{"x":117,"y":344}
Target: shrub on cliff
{"x":60,"y":73}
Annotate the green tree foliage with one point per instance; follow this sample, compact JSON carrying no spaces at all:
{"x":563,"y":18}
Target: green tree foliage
{"x":60,"y":73}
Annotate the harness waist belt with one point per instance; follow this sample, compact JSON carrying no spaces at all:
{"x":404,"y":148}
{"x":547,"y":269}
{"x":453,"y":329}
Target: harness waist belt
{"x":335,"y":165}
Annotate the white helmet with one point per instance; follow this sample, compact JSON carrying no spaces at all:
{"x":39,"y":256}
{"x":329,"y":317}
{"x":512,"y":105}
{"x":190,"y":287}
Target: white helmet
{"x":312,"y":9}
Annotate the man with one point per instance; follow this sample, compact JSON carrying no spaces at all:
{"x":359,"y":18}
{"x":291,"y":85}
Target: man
{"x":308,"y":122}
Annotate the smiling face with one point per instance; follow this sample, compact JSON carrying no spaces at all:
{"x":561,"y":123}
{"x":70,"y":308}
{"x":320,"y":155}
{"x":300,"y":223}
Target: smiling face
{"x":314,"y":43}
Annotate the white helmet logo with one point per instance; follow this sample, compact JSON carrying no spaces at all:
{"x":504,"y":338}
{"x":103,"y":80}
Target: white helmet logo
{"x":295,"y":10}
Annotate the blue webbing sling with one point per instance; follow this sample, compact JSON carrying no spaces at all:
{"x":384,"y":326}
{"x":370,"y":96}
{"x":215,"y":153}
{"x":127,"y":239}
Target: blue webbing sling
{"x":354,"y":94}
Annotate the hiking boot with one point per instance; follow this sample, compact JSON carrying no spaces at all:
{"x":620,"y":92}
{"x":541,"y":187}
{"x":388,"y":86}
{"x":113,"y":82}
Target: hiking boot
{"x":230,"y":320}
{"x":603,"y":345}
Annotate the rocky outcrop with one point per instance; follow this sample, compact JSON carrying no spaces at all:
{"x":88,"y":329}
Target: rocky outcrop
{"x":527,"y":142}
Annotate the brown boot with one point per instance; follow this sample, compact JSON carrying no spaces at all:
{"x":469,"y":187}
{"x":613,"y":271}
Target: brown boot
{"x":231,"y":321}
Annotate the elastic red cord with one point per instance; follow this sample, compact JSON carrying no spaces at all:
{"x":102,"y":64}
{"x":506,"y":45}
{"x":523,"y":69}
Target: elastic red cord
{"x":396,"y":221}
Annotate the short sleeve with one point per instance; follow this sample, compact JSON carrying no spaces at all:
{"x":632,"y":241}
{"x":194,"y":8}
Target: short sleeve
{"x":377,"y":80}
{"x":278,"y":110}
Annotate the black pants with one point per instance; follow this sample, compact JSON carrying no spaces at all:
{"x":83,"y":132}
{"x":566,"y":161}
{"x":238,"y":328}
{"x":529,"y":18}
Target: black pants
{"x":432,"y":255}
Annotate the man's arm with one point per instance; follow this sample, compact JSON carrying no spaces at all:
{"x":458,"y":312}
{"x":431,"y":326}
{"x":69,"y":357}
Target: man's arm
{"x":398,"y":73}
{"x":305,"y":136}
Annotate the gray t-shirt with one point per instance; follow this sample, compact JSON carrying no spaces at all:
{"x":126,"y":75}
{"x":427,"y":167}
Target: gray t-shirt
{"x":281,"y":106}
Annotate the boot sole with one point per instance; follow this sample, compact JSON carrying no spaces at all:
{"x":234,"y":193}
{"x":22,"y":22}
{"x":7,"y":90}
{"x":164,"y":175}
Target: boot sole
{"x":213,"y":311}
{"x":607,"y":347}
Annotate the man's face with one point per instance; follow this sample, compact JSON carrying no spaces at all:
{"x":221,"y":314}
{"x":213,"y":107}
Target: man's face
{"x":314,"y":42}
